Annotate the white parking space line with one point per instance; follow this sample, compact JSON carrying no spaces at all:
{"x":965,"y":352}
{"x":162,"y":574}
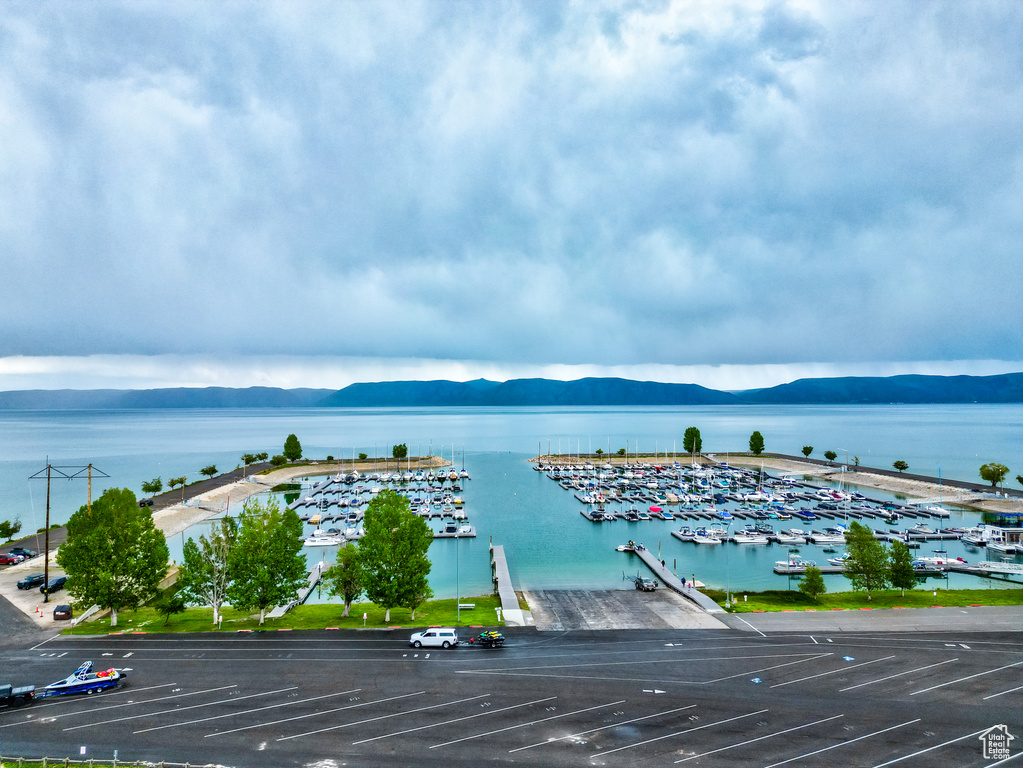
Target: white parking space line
{"x":754,"y":628}
{"x":181,"y":709}
{"x":503,"y":670}
{"x":381,"y":717}
{"x":815,"y":657}
{"x":40,"y":645}
{"x":456,"y":720}
{"x":931,"y":749}
{"x":897,"y":674}
{"x":1006,"y":760}
{"x":968,"y":677}
{"x":844,"y":743}
{"x":248,"y":711}
{"x":313,"y":714}
{"x":833,"y":672}
{"x":996,"y":695}
{"x":687,"y":730}
{"x":91,"y":710}
{"x":602,"y":728}
{"x":524,"y":725}
{"x":760,"y":738}
{"x":106,"y":696}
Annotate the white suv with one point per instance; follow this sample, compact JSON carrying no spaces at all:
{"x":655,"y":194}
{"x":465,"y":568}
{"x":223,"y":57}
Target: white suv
{"x":438,"y":637}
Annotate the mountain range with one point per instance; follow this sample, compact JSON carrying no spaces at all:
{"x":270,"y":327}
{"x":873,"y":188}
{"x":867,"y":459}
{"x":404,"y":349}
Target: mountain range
{"x":1003,"y":388}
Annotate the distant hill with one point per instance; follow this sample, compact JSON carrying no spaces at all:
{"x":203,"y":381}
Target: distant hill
{"x":1004,"y":388}
{"x":912,"y":388}
{"x":481,"y":392}
{"x":179,"y":397}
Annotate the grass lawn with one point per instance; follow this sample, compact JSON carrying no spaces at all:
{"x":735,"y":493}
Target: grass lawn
{"x":318,"y":616}
{"x":782,"y":600}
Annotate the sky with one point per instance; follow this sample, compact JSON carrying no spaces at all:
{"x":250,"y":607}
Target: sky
{"x":734,"y":194}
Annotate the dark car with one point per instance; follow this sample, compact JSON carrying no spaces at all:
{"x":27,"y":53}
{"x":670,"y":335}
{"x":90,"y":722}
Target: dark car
{"x":9,"y":558}
{"x":62,"y":612}
{"x":28,"y":554}
{"x":56,"y":584}
{"x":145,"y":502}
{"x":34,"y":580}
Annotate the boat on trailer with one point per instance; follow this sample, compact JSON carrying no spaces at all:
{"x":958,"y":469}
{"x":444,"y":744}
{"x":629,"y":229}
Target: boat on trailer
{"x":84,"y":680}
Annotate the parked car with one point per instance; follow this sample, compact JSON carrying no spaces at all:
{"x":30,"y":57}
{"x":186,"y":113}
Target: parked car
{"x":7,"y":558}
{"x":28,"y":554}
{"x":147,"y":502}
{"x":62,"y":611}
{"x":56,"y":584}
{"x":34,"y":580}
{"x":438,"y":637}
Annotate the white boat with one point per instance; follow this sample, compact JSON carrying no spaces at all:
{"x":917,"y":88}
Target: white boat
{"x":840,"y":560}
{"x":818,"y":537}
{"x":749,"y":538}
{"x":322,"y":540}
{"x":788,"y":538}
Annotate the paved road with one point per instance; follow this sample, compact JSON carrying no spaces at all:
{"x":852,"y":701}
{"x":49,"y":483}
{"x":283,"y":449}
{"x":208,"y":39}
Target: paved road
{"x":711,"y":697}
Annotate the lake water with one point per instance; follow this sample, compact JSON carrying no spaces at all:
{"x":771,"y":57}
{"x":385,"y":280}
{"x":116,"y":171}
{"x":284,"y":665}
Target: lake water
{"x":548,"y":543}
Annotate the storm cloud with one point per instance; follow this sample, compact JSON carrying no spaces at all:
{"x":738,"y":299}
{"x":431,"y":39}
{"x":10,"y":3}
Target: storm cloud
{"x":532,"y":184}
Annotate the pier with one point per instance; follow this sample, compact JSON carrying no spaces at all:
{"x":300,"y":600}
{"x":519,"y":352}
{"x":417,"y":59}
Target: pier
{"x":513,"y":615}
{"x":314,"y":578}
{"x":672,"y":582}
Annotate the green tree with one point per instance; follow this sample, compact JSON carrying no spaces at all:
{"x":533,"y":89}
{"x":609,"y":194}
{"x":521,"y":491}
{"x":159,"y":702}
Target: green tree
{"x":266,"y":562}
{"x":807,"y":450}
{"x":600,"y":451}
{"x":344,"y":579}
{"x":621,"y":451}
{"x":812,"y":584}
{"x":900,"y":465}
{"x":400,"y":451}
{"x":1019,"y":479}
{"x":278,"y":460}
{"x":691,"y":441}
{"x":9,"y":529}
{"x":209,"y":471}
{"x":830,"y":455}
{"x":176,"y":481}
{"x":205,"y":573}
{"x":394,"y":551}
{"x":262,"y":456}
{"x":900,"y":565}
{"x":756,"y":443}
{"x":169,"y":602}
{"x":114,"y":556}
{"x":248,"y":459}
{"x":856,"y":460}
{"x":867,"y":566}
{"x":416,"y":593}
{"x":292,"y":448}
{"x":363,"y":456}
{"x":994,"y":473}
{"x":149,"y":487}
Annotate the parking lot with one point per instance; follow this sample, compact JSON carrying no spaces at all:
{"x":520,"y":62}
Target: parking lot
{"x":597,"y":698}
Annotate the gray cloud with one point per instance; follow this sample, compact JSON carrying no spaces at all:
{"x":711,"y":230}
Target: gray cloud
{"x":538,"y":183}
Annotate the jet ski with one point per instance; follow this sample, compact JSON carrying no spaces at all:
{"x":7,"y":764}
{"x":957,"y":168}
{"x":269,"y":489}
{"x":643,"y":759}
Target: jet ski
{"x":84,"y":680}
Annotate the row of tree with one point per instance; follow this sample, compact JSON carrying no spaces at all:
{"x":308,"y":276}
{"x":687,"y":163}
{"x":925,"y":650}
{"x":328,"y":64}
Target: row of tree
{"x":256,"y":561}
{"x":871,"y":566}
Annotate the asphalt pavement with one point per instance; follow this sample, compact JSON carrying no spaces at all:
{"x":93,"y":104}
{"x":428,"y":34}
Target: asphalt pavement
{"x":661,"y":697}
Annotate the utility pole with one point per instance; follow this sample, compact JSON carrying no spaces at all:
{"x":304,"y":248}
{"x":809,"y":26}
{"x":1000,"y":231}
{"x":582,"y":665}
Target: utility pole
{"x":68,"y":473}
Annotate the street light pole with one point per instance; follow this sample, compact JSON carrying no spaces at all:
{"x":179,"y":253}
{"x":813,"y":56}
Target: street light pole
{"x":458,"y":600}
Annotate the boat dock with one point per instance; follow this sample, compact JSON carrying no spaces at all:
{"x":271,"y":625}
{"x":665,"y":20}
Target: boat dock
{"x":672,"y":582}
{"x":470,"y":534}
{"x":314,"y":578}
{"x":513,"y":615}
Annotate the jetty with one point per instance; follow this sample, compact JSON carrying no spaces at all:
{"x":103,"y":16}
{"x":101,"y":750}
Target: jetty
{"x":513,"y":615}
{"x":314,"y":578}
{"x":671,"y":581}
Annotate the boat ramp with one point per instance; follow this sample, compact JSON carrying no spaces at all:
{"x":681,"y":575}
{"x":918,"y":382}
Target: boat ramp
{"x":670,"y":580}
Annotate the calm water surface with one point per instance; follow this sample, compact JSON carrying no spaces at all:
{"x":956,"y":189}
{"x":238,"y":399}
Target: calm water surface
{"x":548,"y":543}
